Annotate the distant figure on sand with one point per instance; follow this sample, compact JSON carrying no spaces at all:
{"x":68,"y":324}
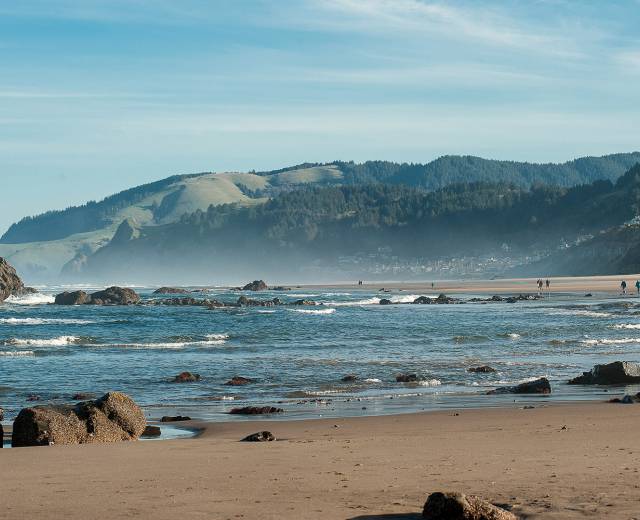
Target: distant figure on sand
{"x":539,"y":286}
{"x":623,"y":286}
{"x":548,"y":284}
{"x":638,"y":287}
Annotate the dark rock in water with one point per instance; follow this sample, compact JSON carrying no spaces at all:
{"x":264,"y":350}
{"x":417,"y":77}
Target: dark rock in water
{"x":539,"y":386}
{"x":256,"y":285}
{"x":385,"y":301}
{"x":238,"y":381}
{"x":440,"y":300}
{"x":407,"y":378}
{"x":280,"y":288}
{"x":485,"y":369}
{"x":496,"y":298}
{"x":588,"y":295}
{"x":1,"y":414}
{"x":423,"y":300}
{"x":72,"y":298}
{"x":151,"y":432}
{"x":456,"y":506}
{"x":1,"y":436}
{"x":350,"y":378}
{"x":186,"y":377}
{"x":175,"y":418}
{"x":255,"y":410}
{"x":264,"y":436}
{"x":616,"y":373}
{"x":115,"y":296}
{"x":170,"y":290}
{"x":627,"y":399}
{"x":112,"y":418}
{"x":83,"y":396}
{"x":303,"y":302}
{"x":243,"y":301}
{"x":33,"y":397}
{"x":10,"y":282}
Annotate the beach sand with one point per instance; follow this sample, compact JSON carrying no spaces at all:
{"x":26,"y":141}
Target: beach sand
{"x":579,"y":285}
{"x":557,"y":461}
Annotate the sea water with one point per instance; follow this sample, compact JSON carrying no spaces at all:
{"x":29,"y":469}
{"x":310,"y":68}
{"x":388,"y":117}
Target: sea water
{"x":298,"y":355}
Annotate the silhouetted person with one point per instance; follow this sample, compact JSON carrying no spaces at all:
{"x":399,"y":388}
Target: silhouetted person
{"x":623,"y":286}
{"x":638,"y":287}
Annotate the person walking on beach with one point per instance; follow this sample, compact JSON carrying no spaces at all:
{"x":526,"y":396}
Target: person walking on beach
{"x":623,"y":286}
{"x":540,"y":286}
{"x":638,"y":287}
{"x":548,"y":283}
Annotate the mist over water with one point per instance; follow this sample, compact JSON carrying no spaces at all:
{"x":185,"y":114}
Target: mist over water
{"x":298,"y":355}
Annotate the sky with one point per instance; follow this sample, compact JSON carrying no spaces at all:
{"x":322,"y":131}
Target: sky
{"x":100,"y":95}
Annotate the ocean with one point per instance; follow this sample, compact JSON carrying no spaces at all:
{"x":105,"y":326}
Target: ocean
{"x":299,"y":355}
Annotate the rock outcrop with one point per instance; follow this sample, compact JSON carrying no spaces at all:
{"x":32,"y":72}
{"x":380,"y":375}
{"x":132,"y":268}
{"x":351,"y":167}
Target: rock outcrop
{"x":170,"y":290}
{"x":255,"y":410}
{"x":407,"y":378}
{"x":539,"y":386}
{"x":72,"y":298}
{"x":616,"y":373}
{"x":457,"y":506}
{"x":256,"y":285}
{"x":175,"y":418}
{"x":186,"y":377}
{"x":264,"y":436}
{"x":112,"y":418}
{"x":440,"y":300}
{"x":1,"y":436}
{"x":115,"y":296}
{"x":385,"y":301}
{"x":110,"y":296}
{"x":243,"y":301}
{"x":484,"y":369}
{"x":10,"y":282}
{"x":238,"y":381}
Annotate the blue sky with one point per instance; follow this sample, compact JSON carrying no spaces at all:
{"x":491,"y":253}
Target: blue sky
{"x":97,"y":96}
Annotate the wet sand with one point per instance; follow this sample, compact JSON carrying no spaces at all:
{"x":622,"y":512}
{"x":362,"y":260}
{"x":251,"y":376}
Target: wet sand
{"x":580,"y":285}
{"x":562,"y":461}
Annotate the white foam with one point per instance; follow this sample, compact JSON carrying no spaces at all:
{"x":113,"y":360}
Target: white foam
{"x":167,"y":344}
{"x":585,"y":313}
{"x":430,"y":382}
{"x":627,"y":326}
{"x":355,"y":303}
{"x":266,"y":312}
{"x":60,"y":341}
{"x":17,"y":353}
{"x":313,"y":311}
{"x":513,"y":335}
{"x":217,"y":336}
{"x":30,"y":299}
{"x":44,"y":321}
{"x":606,"y":341}
{"x":373,"y":380}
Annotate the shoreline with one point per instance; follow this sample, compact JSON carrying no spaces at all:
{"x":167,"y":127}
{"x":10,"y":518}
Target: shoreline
{"x":552,"y":461}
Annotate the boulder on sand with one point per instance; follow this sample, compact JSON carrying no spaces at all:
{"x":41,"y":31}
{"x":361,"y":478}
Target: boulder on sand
{"x":72,"y":298}
{"x":255,"y":410}
{"x":616,"y":373}
{"x":256,"y":285}
{"x":175,"y":418}
{"x":457,"y":506}
{"x":112,"y":418}
{"x":539,"y":386}
{"x":151,"y":432}
{"x":264,"y":436}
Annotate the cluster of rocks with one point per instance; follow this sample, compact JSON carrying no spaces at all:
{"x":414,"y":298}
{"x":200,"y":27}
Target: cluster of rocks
{"x":189,"y":302}
{"x":255,"y":410}
{"x":443,"y":299}
{"x":112,"y":418}
{"x":186,"y":377}
{"x":10,"y":282}
{"x":507,"y":299}
{"x":539,"y":386}
{"x":171,"y":290}
{"x":110,"y":296}
{"x":264,"y":436}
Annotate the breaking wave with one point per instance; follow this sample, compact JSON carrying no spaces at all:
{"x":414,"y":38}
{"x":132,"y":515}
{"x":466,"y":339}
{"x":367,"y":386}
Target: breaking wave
{"x":44,"y":321}
{"x":30,"y":299}
{"x":606,"y":341}
{"x":60,"y":341}
{"x":627,"y":326}
{"x":17,"y":353}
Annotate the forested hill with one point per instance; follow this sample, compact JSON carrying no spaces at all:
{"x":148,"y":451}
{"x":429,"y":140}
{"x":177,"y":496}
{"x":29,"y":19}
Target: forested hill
{"x":166,"y":200}
{"x":330,"y":225}
{"x":464,"y":169}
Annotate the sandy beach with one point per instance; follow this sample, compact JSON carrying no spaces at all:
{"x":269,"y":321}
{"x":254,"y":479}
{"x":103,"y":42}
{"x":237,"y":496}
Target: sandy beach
{"x":574,"y":284}
{"x":561,"y":461}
